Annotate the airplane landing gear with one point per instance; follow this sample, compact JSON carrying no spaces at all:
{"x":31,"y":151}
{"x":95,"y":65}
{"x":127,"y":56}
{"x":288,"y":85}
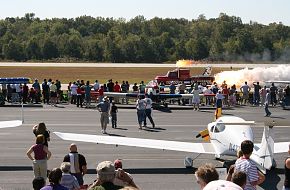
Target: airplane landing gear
{"x":217,"y":156}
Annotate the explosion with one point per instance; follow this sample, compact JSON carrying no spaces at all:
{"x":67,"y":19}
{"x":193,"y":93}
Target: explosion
{"x":259,"y":74}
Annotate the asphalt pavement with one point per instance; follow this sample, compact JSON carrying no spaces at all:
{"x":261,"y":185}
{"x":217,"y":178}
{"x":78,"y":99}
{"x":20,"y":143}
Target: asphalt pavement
{"x":150,"y":168}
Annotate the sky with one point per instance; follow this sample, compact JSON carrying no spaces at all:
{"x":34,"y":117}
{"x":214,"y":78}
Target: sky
{"x":261,"y":11}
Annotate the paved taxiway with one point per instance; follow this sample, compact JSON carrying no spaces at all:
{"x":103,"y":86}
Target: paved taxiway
{"x":151,"y":169}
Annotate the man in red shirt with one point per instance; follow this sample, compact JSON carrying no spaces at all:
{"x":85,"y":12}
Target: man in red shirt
{"x":117,"y":88}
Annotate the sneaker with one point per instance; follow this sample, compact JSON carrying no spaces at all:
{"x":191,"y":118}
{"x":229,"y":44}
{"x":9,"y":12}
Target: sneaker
{"x":103,"y":131}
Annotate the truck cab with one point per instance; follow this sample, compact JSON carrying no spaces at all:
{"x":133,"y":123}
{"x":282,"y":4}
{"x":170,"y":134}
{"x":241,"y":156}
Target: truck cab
{"x":175,"y":76}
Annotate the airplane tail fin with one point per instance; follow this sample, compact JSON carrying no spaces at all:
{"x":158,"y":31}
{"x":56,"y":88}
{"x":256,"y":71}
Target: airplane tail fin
{"x":264,"y":154}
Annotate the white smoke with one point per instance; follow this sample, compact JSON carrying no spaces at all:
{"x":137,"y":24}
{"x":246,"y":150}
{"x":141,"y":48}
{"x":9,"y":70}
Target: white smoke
{"x":259,"y":74}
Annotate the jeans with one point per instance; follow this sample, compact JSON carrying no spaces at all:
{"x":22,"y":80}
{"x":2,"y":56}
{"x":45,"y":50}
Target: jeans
{"x":148,"y":114}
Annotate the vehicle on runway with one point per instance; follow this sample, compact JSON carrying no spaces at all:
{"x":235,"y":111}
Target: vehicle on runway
{"x":180,"y":75}
{"x":225,"y":136}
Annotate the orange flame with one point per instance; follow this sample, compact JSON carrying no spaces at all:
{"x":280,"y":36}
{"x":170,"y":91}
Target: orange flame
{"x":184,"y":63}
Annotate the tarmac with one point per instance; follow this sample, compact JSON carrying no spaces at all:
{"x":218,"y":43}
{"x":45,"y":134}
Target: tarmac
{"x":150,"y":168}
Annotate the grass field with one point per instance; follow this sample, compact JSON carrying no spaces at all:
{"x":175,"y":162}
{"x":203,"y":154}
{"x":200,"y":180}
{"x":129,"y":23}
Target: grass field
{"x":67,"y":74}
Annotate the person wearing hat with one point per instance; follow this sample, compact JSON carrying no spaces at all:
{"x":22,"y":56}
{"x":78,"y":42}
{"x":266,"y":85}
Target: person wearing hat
{"x":106,"y":175}
{"x":104,"y":108}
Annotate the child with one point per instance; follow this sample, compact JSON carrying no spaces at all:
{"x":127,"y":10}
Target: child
{"x":113,"y":113}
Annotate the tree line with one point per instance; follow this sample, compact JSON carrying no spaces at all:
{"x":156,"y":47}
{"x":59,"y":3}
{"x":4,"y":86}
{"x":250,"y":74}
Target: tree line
{"x":86,"y":38}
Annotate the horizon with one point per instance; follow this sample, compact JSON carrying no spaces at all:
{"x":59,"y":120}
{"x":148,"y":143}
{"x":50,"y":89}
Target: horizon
{"x":269,"y":11}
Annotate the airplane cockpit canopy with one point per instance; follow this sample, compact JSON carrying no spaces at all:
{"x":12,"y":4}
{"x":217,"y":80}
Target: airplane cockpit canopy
{"x":219,"y":127}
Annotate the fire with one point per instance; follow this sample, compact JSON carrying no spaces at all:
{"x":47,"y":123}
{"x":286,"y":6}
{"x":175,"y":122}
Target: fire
{"x":184,"y":63}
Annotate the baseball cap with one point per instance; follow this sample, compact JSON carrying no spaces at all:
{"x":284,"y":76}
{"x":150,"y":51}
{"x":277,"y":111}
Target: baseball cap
{"x":222,"y":185}
{"x":105,"y":167}
{"x":118,"y":164}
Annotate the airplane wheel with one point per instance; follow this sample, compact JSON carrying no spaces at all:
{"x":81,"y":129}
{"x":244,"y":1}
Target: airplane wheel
{"x":217,"y":156}
{"x":188,"y":162}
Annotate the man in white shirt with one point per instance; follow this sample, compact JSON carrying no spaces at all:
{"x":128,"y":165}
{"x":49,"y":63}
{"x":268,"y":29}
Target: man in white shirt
{"x":96,"y":85}
{"x":148,"y":110}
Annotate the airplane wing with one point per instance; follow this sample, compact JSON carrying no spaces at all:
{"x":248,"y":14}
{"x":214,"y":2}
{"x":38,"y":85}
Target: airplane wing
{"x":121,"y":95}
{"x":279,"y":147}
{"x":205,"y":148}
{"x":13,"y":123}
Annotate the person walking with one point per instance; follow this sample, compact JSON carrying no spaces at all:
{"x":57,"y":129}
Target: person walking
{"x":267,"y":101}
{"x":140,"y":106}
{"x":148,"y":111}
{"x":41,"y":155}
{"x":104,"y":108}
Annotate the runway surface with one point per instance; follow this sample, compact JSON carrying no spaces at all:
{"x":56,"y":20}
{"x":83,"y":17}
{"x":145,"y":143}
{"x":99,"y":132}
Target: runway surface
{"x":224,"y":65}
{"x":151,"y":169}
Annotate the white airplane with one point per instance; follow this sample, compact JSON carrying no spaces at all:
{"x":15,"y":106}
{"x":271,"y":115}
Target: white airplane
{"x":225,"y":135}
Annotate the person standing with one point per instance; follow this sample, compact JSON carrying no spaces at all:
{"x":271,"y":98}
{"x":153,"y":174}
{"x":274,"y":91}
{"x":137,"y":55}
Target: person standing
{"x":148,"y":111}
{"x":246,"y":165}
{"x":263,"y":93}
{"x":104,"y":108}
{"x":53,"y":93}
{"x":196,"y":97}
{"x":88,"y":88}
{"x":245,"y":89}
{"x":74,"y":93}
{"x":96,"y":85}
{"x":36,"y":87}
{"x":257,"y":89}
{"x":287,"y":172}
{"x":79,"y":96}
{"x":140,"y":106}
{"x":273,"y":92}
{"x":41,"y":155}
{"x":41,"y":129}
{"x":45,"y":91}
{"x":78,"y":163}
{"x":267,"y":101}
{"x":113,"y":113}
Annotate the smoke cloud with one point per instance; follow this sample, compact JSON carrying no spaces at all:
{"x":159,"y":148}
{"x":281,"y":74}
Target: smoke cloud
{"x":259,"y":74}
